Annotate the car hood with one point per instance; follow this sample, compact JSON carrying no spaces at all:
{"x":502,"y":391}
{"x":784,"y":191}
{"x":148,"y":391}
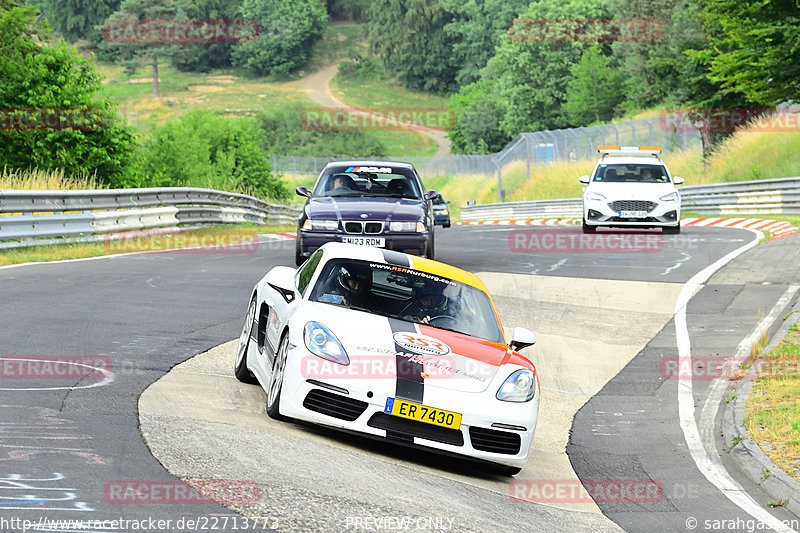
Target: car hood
{"x":449,"y":360}
{"x":384,"y":209}
{"x":631,"y":191}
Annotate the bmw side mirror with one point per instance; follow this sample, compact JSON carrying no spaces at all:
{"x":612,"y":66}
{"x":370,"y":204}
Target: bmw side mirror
{"x":522,"y":338}
{"x":430,"y":195}
{"x":302,"y":191}
{"x":677,"y":180}
{"x":584,"y":179}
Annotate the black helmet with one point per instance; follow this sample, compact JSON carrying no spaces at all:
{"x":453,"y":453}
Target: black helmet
{"x":430,"y":295}
{"x":360,"y":274}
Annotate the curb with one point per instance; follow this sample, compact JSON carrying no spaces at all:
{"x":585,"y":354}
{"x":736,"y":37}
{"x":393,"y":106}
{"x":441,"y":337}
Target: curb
{"x":747,"y":454}
{"x":776,"y":228}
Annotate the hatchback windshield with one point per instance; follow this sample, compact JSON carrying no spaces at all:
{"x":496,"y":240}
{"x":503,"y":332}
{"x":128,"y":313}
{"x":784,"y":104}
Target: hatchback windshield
{"x":356,"y":182}
{"x":631,"y":173}
{"x":407,"y":294}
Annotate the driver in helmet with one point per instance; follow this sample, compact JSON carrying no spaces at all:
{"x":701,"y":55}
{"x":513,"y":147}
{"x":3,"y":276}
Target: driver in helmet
{"x":429,"y":302}
{"x":354,"y":284}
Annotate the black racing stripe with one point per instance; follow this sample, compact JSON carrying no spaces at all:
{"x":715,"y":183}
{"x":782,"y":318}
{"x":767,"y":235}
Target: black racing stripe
{"x":396,"y":258}
{"x":410,"y":384}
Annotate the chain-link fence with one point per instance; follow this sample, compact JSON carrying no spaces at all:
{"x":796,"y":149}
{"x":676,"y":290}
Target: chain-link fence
{"x":534,"y":148}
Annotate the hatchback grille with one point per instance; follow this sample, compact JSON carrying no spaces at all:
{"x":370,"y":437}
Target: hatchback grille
{"x":334,"y":405}
{"x":491,"y":440}
{"x":412,"y":428}
{"x":353,"y":227}
{"x":373,"y":227}
{"x":632,"y":205}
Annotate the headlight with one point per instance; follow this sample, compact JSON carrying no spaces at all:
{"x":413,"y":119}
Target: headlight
{"x":519,"y":387}
{"x":328,"y":225}
{"x":322,"y":342}
{"x":406,"y":226}
{"x":596,"y":196}
{"x":445,"y":212}
{"x":671,"y":197}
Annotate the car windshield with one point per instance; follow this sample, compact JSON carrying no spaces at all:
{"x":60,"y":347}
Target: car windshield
{"x":407,"y":294}
{"x":354,"y":181}
{"x":631,"y":173}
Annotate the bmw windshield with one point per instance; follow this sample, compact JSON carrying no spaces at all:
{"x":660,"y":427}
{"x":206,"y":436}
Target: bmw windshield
{"x":407,"y":294}
{"x":386,"y":182}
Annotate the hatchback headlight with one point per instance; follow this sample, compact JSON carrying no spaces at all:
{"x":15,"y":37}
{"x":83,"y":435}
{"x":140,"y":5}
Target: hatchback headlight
{"x":519,"y":387}
{"x":596,"y":196}
{"x":407,"y":226}
{"x":671,"y":197}
{"x":322,"y":342}
{"x":327,"y":225}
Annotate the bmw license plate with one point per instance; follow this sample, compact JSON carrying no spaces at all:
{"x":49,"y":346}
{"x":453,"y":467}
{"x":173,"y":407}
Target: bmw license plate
{"x":380,"y":242}
{"x":422,"y":413}
{"x":633,"y":214}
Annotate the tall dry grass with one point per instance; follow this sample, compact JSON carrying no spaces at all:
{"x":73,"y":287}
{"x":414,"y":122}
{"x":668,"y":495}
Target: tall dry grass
{"x":37,"y":179}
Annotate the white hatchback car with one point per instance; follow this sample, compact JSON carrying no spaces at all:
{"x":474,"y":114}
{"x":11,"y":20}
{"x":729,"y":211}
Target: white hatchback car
{"x":631,"y":187}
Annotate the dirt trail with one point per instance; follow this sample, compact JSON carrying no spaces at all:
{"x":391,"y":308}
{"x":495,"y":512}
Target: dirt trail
{"x":317,"y":87}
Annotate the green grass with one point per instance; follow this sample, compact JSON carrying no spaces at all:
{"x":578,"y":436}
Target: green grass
{"x":222,"y":236}
{"x":772,"y":415}
{"x":337,"y":38}
{"x":383,"y":93}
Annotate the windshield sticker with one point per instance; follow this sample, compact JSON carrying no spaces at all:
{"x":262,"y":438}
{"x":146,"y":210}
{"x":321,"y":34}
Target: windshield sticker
{"x":421,"y":344}
{"x":377,"y":170}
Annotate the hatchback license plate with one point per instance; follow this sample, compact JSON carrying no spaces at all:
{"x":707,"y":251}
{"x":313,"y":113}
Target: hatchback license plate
{"x":380,"y":242}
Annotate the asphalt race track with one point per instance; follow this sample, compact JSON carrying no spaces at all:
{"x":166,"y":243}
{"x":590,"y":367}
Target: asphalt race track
{"x":604,"y":320}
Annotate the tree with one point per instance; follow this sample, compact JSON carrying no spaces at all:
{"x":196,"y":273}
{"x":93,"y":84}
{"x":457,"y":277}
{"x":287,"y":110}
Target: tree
{"x":78,"y":19}
{"x":595,"y":90}
{"x":287,"y":31}
{"x":532,"y":71}
{"x":409,"y":37}
{"x":355,"y":10}
{"x":475,"y":29}
{"x":133,"y":47}
{"x":754,"y":48}
{"x":478,"y":111}
{"x":53,"y":113}
{"x":203,"y":57}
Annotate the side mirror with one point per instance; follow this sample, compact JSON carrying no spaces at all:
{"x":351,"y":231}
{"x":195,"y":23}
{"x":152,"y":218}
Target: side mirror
{"x":677,"y":180}
{"x":430,"y":195}
{"x":302,"y":191}
{"x":522,"y":338}
{"x":584,"y":179}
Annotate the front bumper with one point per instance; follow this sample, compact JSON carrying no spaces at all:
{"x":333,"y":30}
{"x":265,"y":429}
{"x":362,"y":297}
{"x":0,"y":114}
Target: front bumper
{"x":599,"y":213}
{"x":481,"y":413}
{"x":413,"y":243}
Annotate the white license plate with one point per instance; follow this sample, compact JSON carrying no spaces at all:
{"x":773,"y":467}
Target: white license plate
{"x":380,"y":242}
{"x":633,"y":214}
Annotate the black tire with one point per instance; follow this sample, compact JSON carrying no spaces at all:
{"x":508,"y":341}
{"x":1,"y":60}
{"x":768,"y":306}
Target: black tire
{"x":298,"y":251}
{"x":447,"y":225}
{"x":671,"y":230}
{"x":240,"y":364}
{"x":429,"y":250}
{"x":587,"y":228}
{"x":276,"y":379}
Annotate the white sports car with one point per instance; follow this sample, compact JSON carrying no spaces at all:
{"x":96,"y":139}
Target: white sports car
{"x":392,"y":346}
{"x":630,"y":186}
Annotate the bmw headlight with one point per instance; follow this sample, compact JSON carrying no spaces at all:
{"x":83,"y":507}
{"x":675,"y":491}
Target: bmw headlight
{"x":322,"y":342}
{"x":327,"y":225}
{"x":596,"y":196}
{"x":419,"y":227}
{"x":671,"y":197}
{"x":519,"y":387}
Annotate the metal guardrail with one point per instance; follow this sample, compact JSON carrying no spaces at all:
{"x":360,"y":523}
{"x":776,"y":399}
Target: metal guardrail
{"x":759,"y":197}
{"x":29,"y":218}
